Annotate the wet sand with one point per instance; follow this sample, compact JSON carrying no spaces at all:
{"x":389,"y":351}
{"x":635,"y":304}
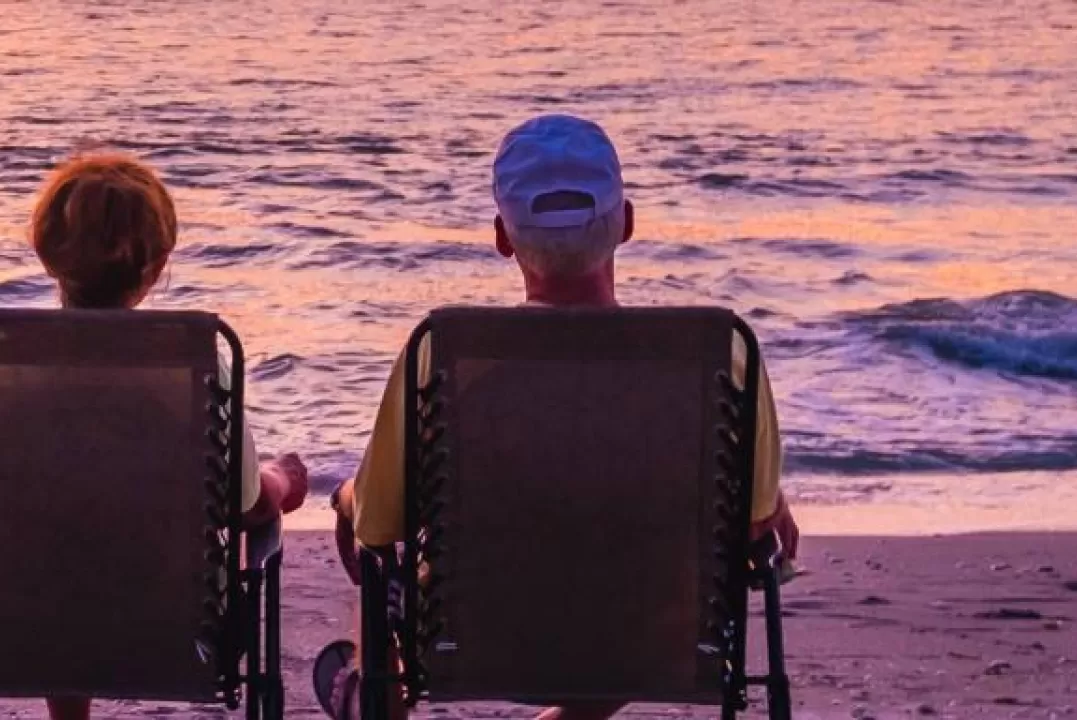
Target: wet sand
{"x":962,"y":626}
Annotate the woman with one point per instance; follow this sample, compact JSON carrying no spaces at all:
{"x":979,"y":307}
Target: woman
{"x":104,"y":229}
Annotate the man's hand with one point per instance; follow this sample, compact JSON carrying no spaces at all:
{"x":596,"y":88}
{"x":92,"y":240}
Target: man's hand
{"x":782,"y":522}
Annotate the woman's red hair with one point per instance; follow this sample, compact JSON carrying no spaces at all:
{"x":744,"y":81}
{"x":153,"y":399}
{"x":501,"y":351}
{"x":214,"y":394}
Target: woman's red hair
{"x":104,"y":227}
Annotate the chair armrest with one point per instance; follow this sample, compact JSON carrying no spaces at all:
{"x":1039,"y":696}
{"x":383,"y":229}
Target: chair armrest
{"x":766,"y":558}
{"x":263,"y":542}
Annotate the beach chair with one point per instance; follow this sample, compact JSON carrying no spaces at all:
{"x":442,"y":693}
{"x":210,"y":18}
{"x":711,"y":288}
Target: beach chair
{"x":122,"y":568}
{"x":577,"y":514}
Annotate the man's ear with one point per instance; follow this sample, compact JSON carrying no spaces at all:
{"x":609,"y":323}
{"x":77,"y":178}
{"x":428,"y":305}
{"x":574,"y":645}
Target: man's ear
{"x":501,"y":238}
{"x":630,"y":221}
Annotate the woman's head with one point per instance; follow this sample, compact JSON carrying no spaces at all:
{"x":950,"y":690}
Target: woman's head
{"x":104,"y":228}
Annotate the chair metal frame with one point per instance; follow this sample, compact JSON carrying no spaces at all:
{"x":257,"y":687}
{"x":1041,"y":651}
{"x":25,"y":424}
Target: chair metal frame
{"x":761,"y":562}
{"x":257,"y":584}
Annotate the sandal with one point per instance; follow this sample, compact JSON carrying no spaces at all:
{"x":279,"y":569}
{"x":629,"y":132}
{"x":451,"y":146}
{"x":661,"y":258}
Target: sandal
{"x":336,"y":680}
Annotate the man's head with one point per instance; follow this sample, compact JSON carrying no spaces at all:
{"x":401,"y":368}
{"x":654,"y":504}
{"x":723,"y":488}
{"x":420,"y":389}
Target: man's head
{"x":560,"y":199}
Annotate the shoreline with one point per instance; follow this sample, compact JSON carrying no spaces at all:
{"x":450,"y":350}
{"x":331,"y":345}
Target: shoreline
{"x":865,"y":519}
{"x":1045,"y":504}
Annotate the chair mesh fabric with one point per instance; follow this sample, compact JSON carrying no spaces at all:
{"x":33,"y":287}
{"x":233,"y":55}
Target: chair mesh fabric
{"x":103,"y":524}
{"x":571,"y":505}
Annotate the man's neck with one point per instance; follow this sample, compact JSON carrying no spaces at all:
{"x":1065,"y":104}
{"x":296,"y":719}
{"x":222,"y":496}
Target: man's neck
{"x":590,"y":291}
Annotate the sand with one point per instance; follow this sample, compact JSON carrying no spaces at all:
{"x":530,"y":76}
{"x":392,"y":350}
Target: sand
{"x":961,"y":626}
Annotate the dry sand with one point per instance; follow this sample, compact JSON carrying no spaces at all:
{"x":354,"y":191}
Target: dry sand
{"x":962,"y":626}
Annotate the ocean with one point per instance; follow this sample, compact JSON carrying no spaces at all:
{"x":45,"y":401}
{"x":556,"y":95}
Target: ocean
{"x":887,"y":189}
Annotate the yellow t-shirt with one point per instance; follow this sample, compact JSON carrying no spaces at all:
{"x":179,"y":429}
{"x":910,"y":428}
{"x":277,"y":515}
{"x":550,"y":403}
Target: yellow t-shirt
{"x":376,"y":495}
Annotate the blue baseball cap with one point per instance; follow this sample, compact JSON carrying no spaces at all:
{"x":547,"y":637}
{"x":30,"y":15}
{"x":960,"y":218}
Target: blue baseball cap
{"x":553,"y":154}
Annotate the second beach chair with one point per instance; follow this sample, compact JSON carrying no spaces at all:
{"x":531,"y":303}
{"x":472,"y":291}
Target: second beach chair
{"x":577,"y":514}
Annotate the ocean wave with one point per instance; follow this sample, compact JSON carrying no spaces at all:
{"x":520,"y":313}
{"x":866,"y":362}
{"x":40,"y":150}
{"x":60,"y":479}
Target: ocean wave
{"x":672,"y":252}
{"x":803,"y":247}
{"x":937,"y":175}
{"x":1049,"y":356}
{"x":852,"y":277}
{"x":217,"y":255}
{"x":868,"y":461}
{"x":316,"y":179}
{"x":274,"y":367}
{"x":21,"y":290}
{"x":1024,"y":333}
{"x":1007,"y":138}
{"x":305,"y":230}
{"x":798,"y":187}
{"x":350,"y":253}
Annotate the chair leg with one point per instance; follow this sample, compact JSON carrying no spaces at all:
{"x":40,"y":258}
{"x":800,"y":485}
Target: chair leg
{"x":254,"y":646}
{"x":779,"y":703}
{"x":374,"y":686}
{"x":274,"y":683}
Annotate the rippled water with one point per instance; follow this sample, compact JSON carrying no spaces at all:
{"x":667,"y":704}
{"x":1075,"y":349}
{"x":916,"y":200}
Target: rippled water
{"x":888,"y":189}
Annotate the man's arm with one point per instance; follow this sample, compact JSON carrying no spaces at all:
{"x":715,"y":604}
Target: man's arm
{"x":343,"y":503}
{"x":376,"y":497}
{"x":370,"y":508}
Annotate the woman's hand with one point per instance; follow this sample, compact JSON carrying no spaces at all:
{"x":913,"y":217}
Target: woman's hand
{"x":297,"y":482}
{"x":283,"y":488}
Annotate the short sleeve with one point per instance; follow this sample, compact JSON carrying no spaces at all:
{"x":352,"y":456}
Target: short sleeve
{"x":252,"y":478}
{"x":252,"y":481}
{"x":378,"y":511}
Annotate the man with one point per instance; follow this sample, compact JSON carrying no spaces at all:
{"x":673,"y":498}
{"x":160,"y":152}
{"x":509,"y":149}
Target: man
{"x":561,"y":215}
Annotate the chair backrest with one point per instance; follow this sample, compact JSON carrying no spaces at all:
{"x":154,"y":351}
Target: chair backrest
{"x":103,"y":515}
{"x":580,"y":501}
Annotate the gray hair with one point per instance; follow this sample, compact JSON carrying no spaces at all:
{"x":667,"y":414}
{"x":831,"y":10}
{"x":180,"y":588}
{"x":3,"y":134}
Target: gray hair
{"x":571,"y":251}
